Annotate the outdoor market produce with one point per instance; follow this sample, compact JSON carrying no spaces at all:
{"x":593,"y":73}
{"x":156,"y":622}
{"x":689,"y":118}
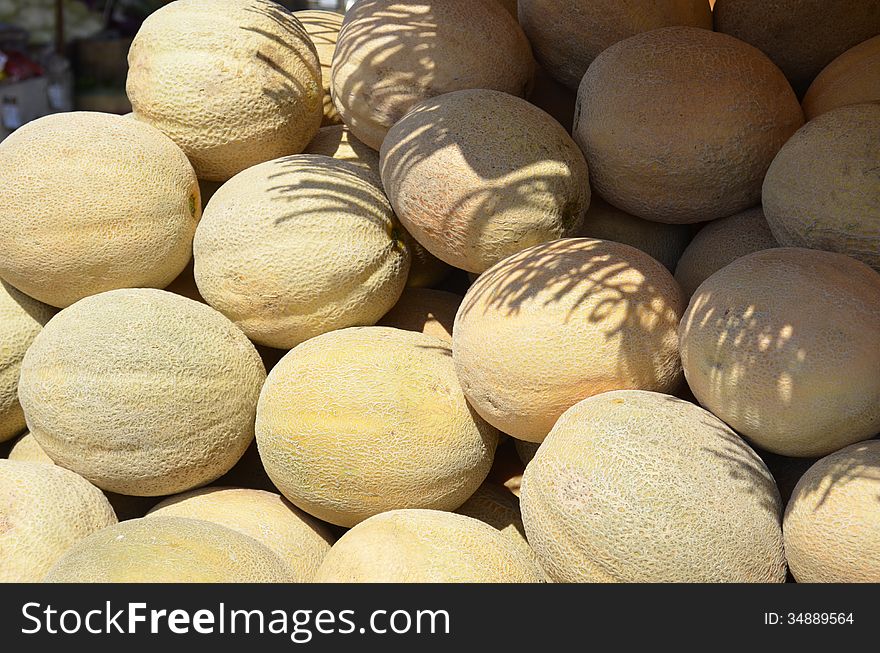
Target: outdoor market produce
{"x":852,"y":78}
{"x":323,"y":28}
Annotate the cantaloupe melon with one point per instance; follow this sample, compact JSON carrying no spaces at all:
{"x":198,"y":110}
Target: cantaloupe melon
{"x":27,"y":449}
{"x":93,"y":202}
{"x":680,"y":124}
{"x":169,"y":550}
{"x":44,"y":510}
{"x":634,"y":486}
{"x":298,"y":246}
{"x":234,"y":83}
{"x":832,"y":523}
{"x":426,"y":546}
{"x":823,"y":189}
{"x":721,"y":242}
{"x":142,"y":392}
{"x":478,"y":175}
{"x":560,"y":322}
{"x":800,"y":36}
{"x":782,"y":345}
{"x":300,"y":540}
{"x":323,"y":28}
{"x":567,"y":35}
{"x":393,"y":54}
{"x":852,"y":78}
{"x":21,"y":319}
{"x":364,"y":420}
{"x":426,"y":311}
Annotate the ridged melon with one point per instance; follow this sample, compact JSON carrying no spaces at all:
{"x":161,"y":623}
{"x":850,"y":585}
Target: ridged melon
{"x":141,"y":391}
{"x":43,"y":512}
{"x":364,"y":420}
{"x":426,"y":546}
{"x":234,"y":83}
{"x":169,"y":550}
{"x":426,"y":311}
{"x":93,"y":202}
{"x":852,"y":78}
{"x":563,"y":321}
{"x":323,"y":28}
{"x":393,"y":54}
{"x":782,"y":345}
{"x":478,"y":175}
{"x":823,"y":189}
{"x":694,"y":143}
{"x":636,"y":486}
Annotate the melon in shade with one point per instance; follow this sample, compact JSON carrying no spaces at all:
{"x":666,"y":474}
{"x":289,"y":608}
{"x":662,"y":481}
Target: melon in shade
{"x":782,"y":345}
{"x":93,"y":202}
{"x":427,"y":546}
{"x":832,"y":522}
{"x":823,"y":190}
{"x":426,"y":311}
{"x":393,"y":54}
{"x":141,"y":391}
{"x":560,"y":322}
{"x":695,"y":143}
{"x":634,"y":486}
{"x":478,"y":175}
{"x":323,"y":29}
{"x":234,"y":83}
{"x":852,"y":78}
{"x":364,"y":420}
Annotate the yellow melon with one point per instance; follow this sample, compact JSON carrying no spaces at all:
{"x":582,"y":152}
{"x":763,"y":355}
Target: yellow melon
{"x":142,"y":392}
{"x":426,"y":311}
{"x":694,"y":143}
{"x":634,"y":486}
{"x":234,"y":83}
{"x":93,"y":202}
{"x":782,"y":345}
{"x":563,"y":321}
{"x":323,"y":28}
{"x":363,"y":420}
{"x":27,"y":449}
{"x":852,"y":78}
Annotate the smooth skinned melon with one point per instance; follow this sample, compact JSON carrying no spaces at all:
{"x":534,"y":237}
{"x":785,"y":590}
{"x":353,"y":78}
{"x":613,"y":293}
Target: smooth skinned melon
{"x":323,"y":28}
{"x":426,"y":546}
{"x":478,"y":175}
{"x":300,"y":540}
{"x":393,"y":54}
{"x":426,"y":311}
{"x":364,"y":420}
{"x":694,"y":143}
{"x":832,"y":524}
{"x":634,"y":486}
{"x":782,"y":345}
{"x":43,"y":512}
{"x":823,"y":189}
{"x":852,"y":78}
{"x":169,"y":550}
{"x":300,"y":246}
{"x":720,"y":243}
{"x":567,"y":35}
{"x":234,"y":83}
{"x":141,"y":391}
{"x":93,"y":202}
{"x":563,"y":321}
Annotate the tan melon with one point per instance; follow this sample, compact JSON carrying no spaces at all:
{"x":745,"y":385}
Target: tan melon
{"x":567,"y":35}
{"x":300,"y":246}
{"x":720,"y":243}
{"x":426,"y":311}
{"x":27,"y":449}
{"x":478,"y":175}
{"x":142,"y":392}
{"x":852,"y":78}
{"x":695,"y":143}
{"x":800,"y":36}
{"x":364,"y":420}
{"x":233,"y":83}
{"x":563,"y":321}
{"x":43,"y":512}
{"x":21,"y":319}
{"x":169,"y":550}
{"x":323,"y":28}
{"x":832,"y":524}
{"x":426,"y":546}
{"x":93,"y":202}
{"x":782,"y":345}
{"x":822,"y":189}
{"x":300,"y":540}
{"x":393,"y":54}
{"x":634,"y":486}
